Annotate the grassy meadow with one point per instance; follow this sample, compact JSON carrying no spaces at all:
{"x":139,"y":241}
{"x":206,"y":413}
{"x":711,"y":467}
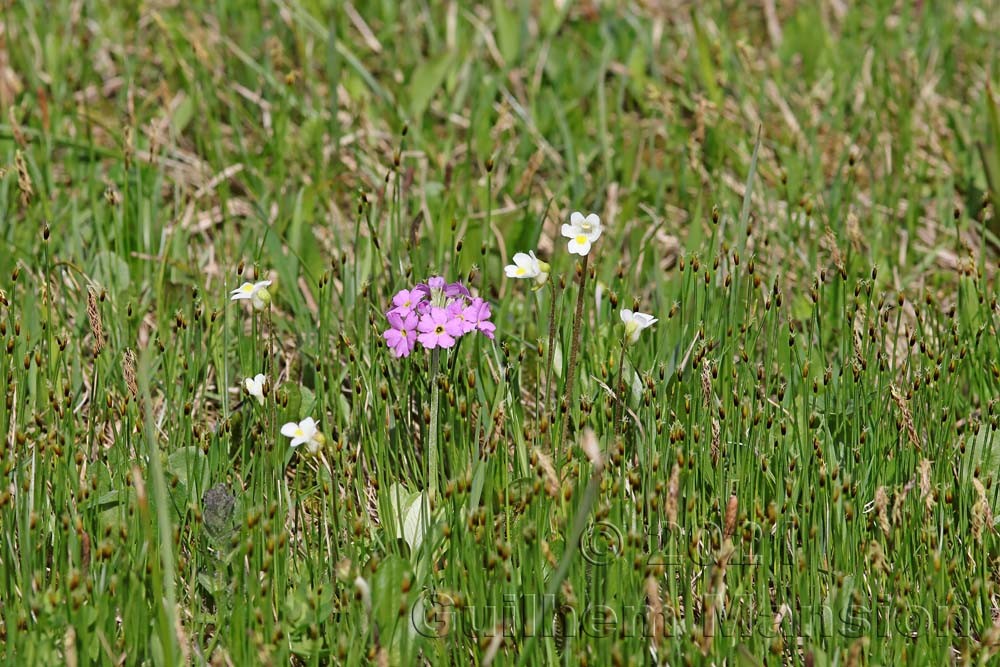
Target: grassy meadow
{"x":797,"y":463}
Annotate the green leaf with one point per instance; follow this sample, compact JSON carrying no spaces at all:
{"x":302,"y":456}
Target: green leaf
{"x":989,"y":153}
{"x":637,"y":62}
{"x":191,"y":468}
{"x":386,"y":585}
{"x":308,"y":402}
{"x":182,"y":115}
{"x":110,"y":271}
{"x":706,"y":64}
{"x":413,"y":521}
{"x":425,"y":81}
{"x":508,"y":32}
{"x":290,"y":395}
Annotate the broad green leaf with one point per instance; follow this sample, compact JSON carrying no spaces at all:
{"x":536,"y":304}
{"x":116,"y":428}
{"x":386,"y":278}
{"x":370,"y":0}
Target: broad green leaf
{"x":425,"y":81}
{"x":706,"y":63}
{"x":508,"y":31}
{"x":182,"y":115}
{"x":308,"y":402}
{"x":191,"y":468}
{"x":416,"y":513}
{"x":989,"y":152}
{"x":110,"y":271}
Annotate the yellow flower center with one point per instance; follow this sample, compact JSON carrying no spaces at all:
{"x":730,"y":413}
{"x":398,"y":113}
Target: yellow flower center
{"x":521,"y":271}
{"x":247,"y":288}
{"x":299,"y":433}
{"x":581,"y":239}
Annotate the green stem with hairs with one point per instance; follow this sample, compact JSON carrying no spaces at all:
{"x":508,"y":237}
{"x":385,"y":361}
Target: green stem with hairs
{"x":432,"y":439}
{"x":619,"y":411}
{"x":552,"y":338}
{"x":574,"y":349}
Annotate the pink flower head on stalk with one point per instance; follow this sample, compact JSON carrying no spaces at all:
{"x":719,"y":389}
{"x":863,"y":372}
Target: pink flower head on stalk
{"x":435,"y":314}
{"x":402,"y":336}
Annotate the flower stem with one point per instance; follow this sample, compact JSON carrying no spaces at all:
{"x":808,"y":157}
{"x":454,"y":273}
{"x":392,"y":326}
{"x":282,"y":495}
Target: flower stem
{"x":432,"y":439}
{"x":574,"y":350}
{"x":552,"y":339}
{"x":619,"y":411}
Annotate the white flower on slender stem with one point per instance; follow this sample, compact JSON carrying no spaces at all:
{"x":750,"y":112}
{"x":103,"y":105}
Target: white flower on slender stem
{"x":255,"y":386}
{"x":305,"y":433}
{"x":635,"y":323}
{"x":528,"y":266}
{"x":582,"y":231}
{"x":256,"y":292}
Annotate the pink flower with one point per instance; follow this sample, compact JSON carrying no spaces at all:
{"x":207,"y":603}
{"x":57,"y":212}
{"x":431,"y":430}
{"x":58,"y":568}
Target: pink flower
{"x":456,"y":310}
{"x":450,"y":290}
{"x":477,"y":314}
{"x":438,"y":329}
{"x":406,"y":301}
{"x":401,"y":337}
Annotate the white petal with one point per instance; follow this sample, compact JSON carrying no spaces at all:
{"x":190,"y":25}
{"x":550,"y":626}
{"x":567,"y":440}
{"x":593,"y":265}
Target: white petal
{"x":644,"y":319}
{"x":262,"y":284}
{"x":595,"y":233}
{"x":576,"y":218}
{"x":522,"y":260}
{"x":298,"y":441}
{"x":245,"y":290}
{"x":579,"y":248}
{"x":511,"y":271}
{"x":289,"y":429}
{"x":594,"y":220}
{"x":569,"y":231}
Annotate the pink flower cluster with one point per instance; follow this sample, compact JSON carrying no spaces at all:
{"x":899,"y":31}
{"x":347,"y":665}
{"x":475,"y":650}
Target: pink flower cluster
{"x":435,"y":314}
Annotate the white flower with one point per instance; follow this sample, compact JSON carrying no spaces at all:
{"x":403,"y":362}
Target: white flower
{"x":635,"y":323}
{"x":255,"y":386}
{"x":528,"y":266}
{"x":304,"y":433}
{"x":256,"y":292}
{"x":582,"y":232}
